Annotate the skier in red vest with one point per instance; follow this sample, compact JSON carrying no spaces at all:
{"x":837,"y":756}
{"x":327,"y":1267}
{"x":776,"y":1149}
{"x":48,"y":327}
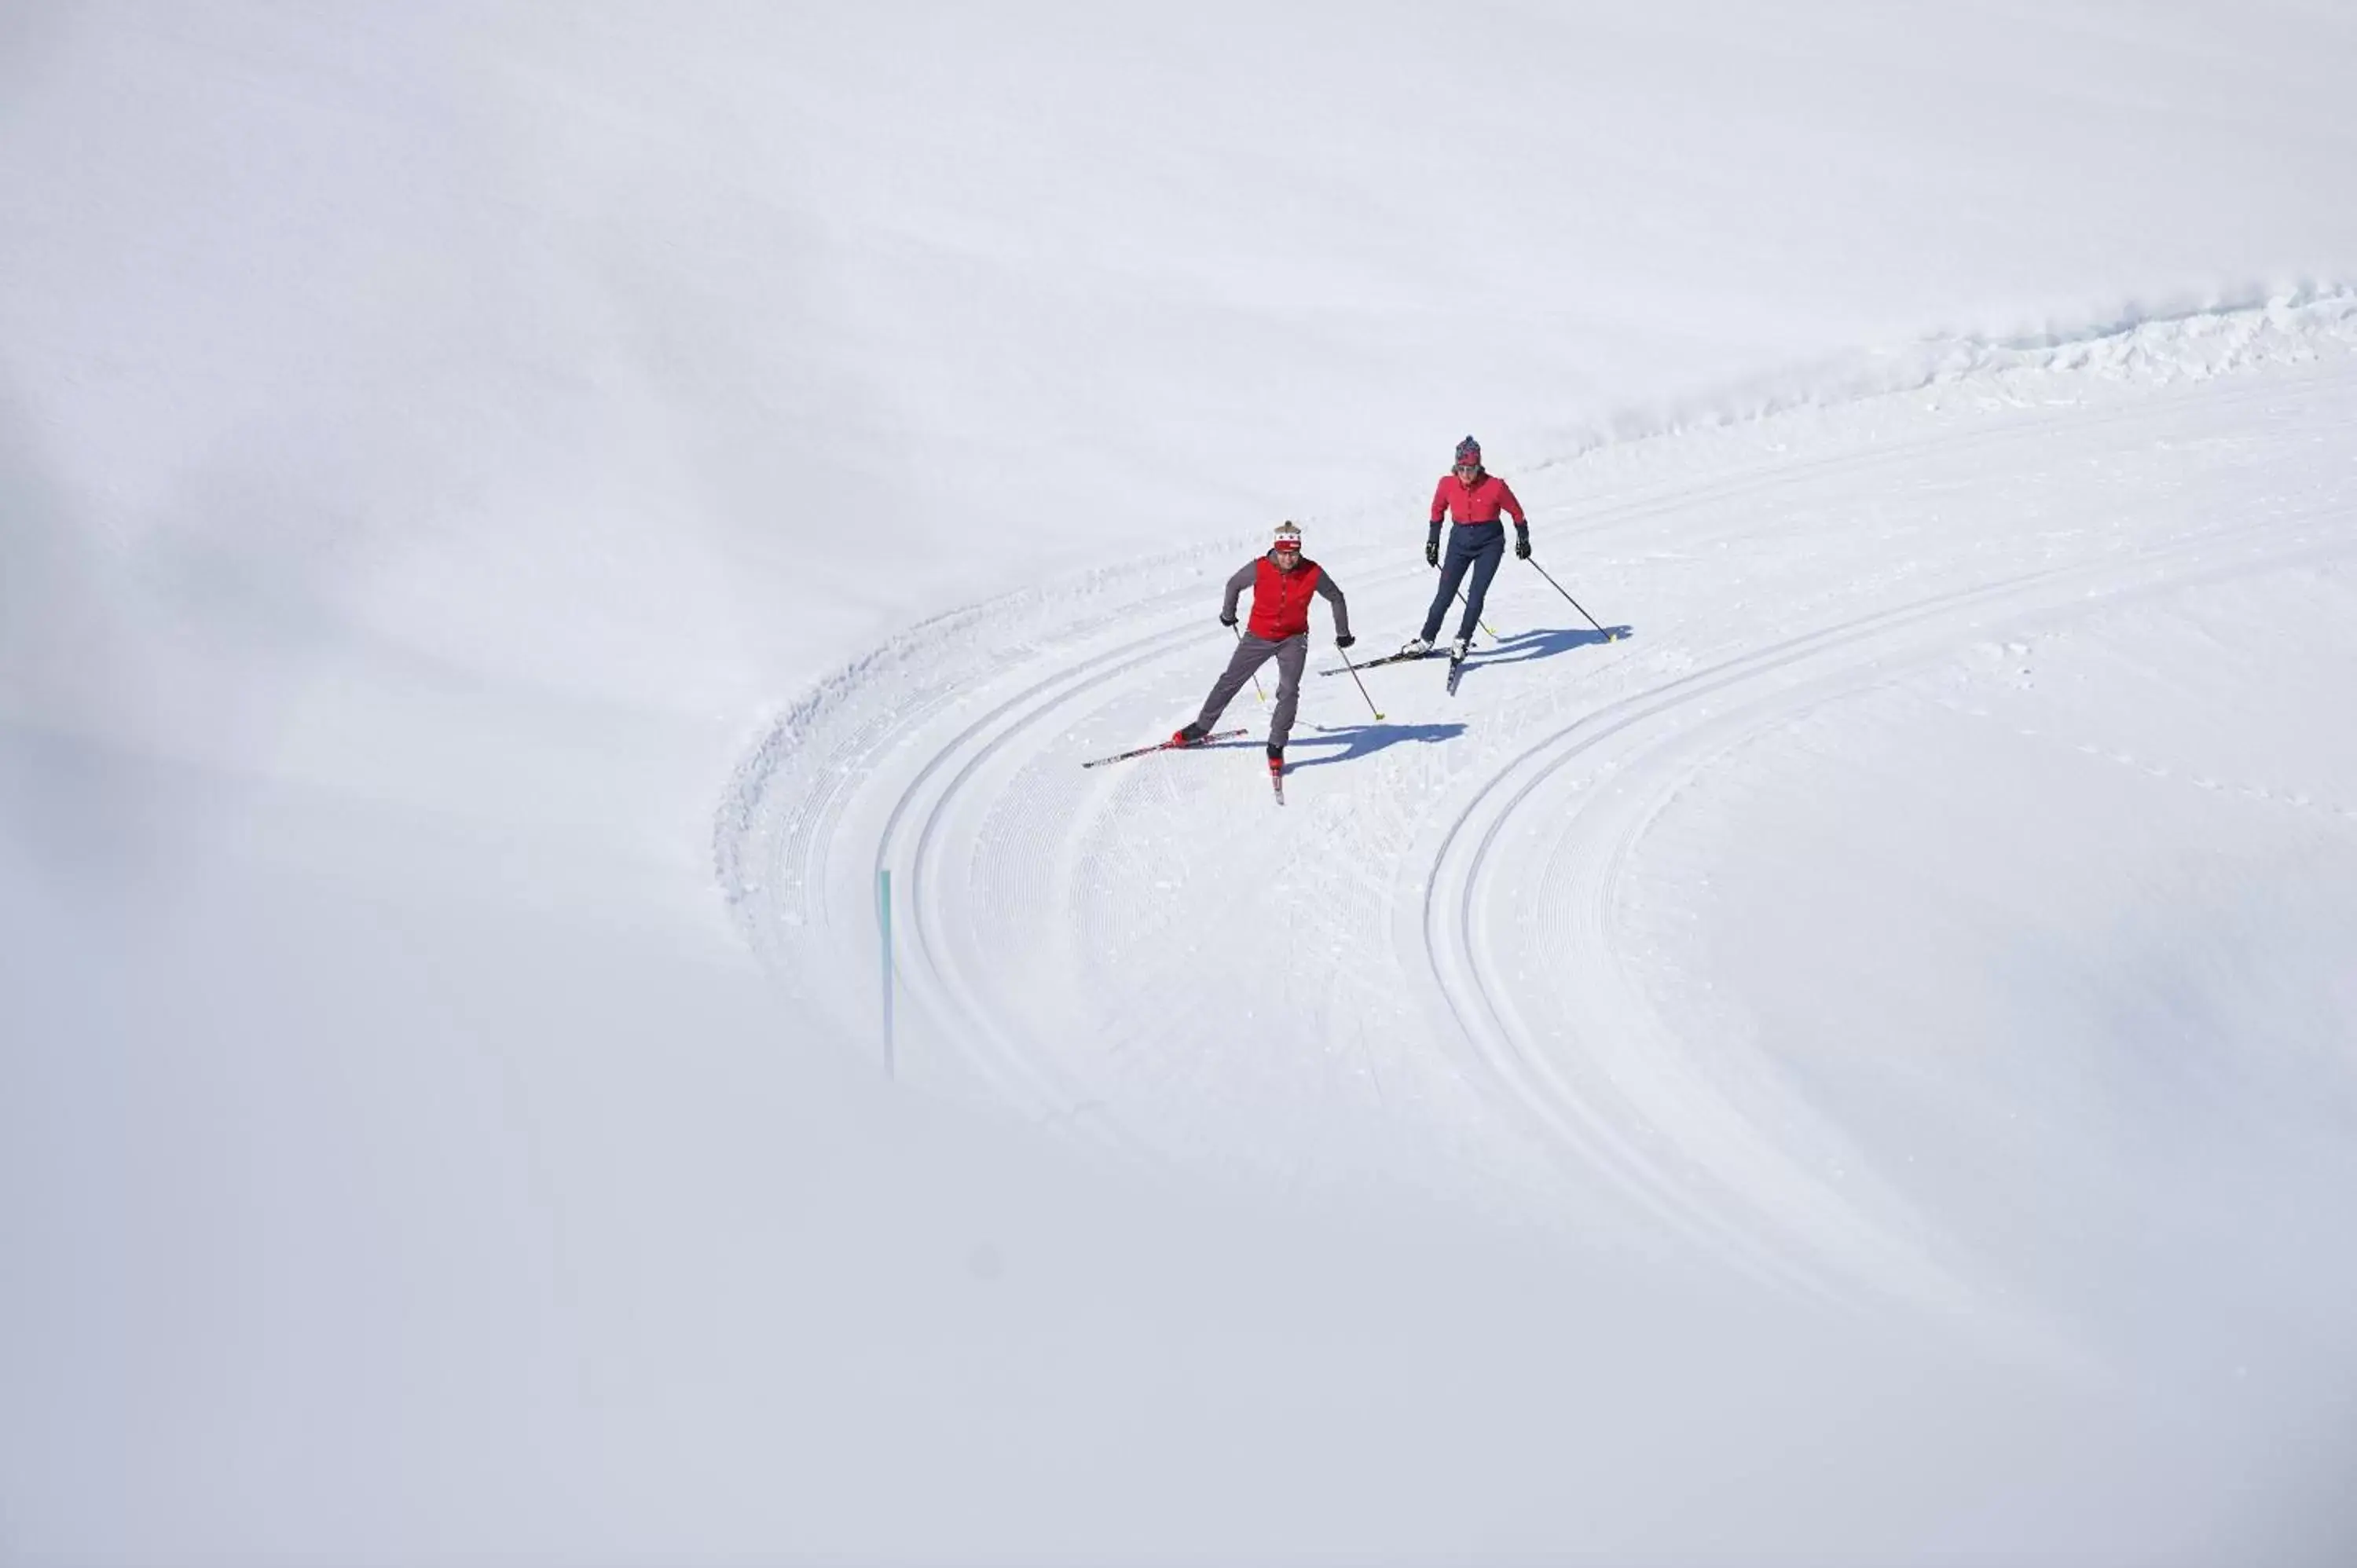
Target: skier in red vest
{"x":1281,"y":581}
{"x":1474,"y":500}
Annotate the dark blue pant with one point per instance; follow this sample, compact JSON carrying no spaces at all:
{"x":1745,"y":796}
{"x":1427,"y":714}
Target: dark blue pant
{"x":1480,"y":546}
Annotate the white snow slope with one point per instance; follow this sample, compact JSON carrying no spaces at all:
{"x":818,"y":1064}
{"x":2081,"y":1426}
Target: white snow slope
{"x":1848,"y":1055}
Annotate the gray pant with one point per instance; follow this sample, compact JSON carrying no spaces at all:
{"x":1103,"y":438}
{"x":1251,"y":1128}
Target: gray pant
{"x":1252,"y":653}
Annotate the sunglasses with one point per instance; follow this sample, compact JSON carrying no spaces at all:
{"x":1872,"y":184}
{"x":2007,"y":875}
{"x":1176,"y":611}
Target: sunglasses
{"x":1468,"y":468}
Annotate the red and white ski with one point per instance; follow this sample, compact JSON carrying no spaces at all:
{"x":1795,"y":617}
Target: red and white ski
{"x":1165,"y":746}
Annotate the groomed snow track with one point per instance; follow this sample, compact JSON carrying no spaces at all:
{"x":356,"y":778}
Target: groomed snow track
{"x":1418,"y":973}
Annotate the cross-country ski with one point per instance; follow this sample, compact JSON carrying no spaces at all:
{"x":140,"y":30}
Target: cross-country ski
{"x":1173,"y":744}
{"x":1377,"y":663}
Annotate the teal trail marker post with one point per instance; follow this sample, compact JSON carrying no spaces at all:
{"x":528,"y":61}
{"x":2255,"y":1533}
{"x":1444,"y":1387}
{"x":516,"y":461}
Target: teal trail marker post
{"x":884,"y":930}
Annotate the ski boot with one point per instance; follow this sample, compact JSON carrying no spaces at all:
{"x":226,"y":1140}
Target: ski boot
{"x":1414,"y":647}
{"x":1192,"y":735}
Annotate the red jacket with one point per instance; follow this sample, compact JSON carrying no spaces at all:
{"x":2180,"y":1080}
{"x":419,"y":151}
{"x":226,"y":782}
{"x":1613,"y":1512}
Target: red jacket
{"x":1479,"y":502}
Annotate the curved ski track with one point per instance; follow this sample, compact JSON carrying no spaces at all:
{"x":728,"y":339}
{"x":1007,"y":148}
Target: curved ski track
{"x":1641,"y":1107}
{"x":1501,"y":902}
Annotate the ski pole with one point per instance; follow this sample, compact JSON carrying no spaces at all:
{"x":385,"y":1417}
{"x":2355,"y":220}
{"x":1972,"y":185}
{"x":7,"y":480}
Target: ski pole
{"x":1484,"y":625}
{"x":1256,"y":690}
{"x":1361,"y":684}
{"x":1608,"y":636}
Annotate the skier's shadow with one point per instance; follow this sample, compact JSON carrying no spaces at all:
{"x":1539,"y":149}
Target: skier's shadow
{"x":1366,"y":740}
{"x":1545,"y":643}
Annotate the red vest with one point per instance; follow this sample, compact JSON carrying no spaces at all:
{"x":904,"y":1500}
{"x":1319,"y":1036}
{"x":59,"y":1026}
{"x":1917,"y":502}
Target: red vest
{"x":1281,"y":600}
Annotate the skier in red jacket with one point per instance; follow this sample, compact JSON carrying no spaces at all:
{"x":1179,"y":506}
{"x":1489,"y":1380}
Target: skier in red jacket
{"x":1472,"y":499}
{"x":1281,"y":581}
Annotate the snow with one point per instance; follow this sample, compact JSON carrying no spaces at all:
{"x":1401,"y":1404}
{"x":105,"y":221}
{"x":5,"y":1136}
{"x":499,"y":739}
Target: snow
{"x":514,"y":517}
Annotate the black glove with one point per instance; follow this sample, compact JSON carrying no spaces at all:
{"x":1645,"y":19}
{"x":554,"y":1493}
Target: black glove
{"x":1227,"y":617}
{"x":1344,"y":640}
{"x":1522,"y":542}
{"x":1432,"y":546}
